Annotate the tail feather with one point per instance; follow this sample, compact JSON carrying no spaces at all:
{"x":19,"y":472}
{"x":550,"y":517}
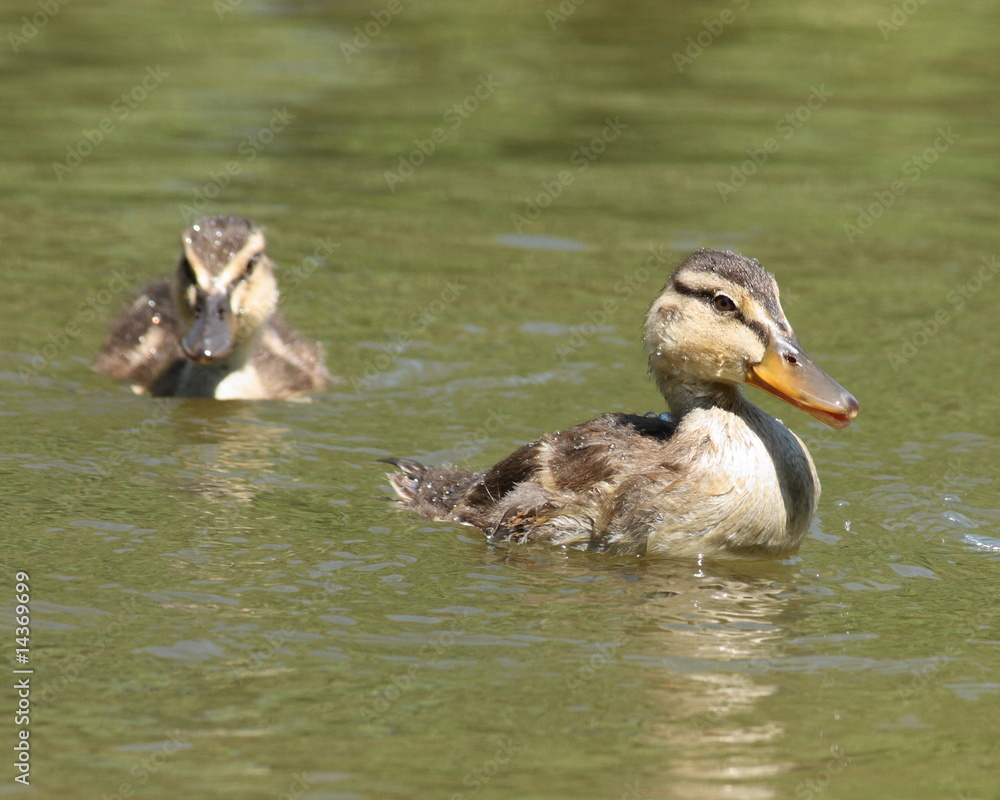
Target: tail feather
{"x":432,"y":491}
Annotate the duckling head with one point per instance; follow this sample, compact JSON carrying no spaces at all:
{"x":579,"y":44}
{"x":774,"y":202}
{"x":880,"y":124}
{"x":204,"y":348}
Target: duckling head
{"x":226,"y":291}
{"x":718,"y":323}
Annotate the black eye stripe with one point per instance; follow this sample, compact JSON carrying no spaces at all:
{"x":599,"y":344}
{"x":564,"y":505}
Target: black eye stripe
{"x":709,"y":295}
{"x":756,"y":327}
{"x":690,"y":291}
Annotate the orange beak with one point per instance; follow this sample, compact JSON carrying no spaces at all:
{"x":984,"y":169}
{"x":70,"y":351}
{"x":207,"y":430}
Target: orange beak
{"x":790,"y":375}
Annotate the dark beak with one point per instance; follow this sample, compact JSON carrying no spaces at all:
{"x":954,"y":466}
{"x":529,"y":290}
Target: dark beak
{"x":211,"y":335}
{"x":789,"y":374}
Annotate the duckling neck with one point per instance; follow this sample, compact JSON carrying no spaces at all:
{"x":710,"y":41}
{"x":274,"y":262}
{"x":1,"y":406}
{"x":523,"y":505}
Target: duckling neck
{"x":686,"y":396}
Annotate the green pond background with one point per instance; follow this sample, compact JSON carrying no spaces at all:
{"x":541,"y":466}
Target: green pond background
{"x":224,"y":603}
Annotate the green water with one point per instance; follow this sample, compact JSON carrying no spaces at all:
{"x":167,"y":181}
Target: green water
{"x":223,"y":604}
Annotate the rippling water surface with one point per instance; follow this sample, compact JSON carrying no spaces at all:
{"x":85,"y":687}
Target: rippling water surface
{"x":472,"y":205}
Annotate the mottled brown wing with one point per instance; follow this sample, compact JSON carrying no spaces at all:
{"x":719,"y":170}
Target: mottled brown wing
{"x":144,"y":339}
{"x":498,"y":482}
{"x":288,"y":360}
{"x":540,"y":480}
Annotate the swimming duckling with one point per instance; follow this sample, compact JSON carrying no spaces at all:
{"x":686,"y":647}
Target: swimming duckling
{"x":213,"y":330}
{"x":716,"y":477}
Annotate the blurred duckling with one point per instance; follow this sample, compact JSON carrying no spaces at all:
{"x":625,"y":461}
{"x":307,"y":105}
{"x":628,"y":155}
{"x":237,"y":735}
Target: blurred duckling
{"x":716,"y":477}
{"x":213,"y":330}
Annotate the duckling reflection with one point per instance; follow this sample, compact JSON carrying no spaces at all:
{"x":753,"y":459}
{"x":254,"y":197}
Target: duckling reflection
{"x":231,"y":451}
{"x":214,"y":329}
{"x":717,"y":638}
{"x":685,"y":651}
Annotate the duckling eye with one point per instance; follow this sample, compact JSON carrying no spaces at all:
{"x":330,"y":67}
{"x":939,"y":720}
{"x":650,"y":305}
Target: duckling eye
{"x":248,"y":270}
{"x":723,"y":303}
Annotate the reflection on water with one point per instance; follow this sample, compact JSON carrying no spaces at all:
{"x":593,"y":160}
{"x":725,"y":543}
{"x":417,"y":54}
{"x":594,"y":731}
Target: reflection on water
{"x":710,"y":715}
{"x":708,"y":641}
{"x":229,"y":451}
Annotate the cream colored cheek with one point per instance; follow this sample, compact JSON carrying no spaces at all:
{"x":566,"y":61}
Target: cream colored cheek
{"x":238,"y":302}
{"x":248,"y":314}
{"x":706,"y":364}
{"x":731,"y":369}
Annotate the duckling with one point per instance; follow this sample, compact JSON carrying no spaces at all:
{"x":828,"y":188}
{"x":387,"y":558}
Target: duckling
{"x":716,"y":477}
{"x":213,"y":330}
